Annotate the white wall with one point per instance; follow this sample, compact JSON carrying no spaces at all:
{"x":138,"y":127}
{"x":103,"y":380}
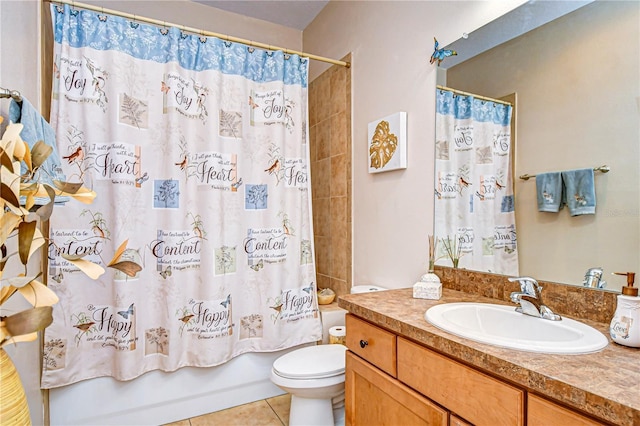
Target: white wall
{"x":19,"y":70}
{"x":391,"y":42}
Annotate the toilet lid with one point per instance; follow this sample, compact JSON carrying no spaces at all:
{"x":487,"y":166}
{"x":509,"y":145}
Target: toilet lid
{"x":312,"y":362}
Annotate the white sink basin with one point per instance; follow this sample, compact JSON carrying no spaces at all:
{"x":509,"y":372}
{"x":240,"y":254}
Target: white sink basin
{"x":501,"y":325}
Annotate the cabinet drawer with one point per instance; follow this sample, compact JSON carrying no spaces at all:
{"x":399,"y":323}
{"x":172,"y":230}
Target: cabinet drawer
{"x":474,"y":396}
{"x":541,"y":412}
{"x":374,"y":398}
{"x":372,"y":343}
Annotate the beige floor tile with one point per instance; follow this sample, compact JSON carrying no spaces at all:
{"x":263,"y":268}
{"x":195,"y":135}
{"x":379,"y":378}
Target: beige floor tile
{"x":281,"y":405}
{"x":255,"y":413}
{"x":180,"y":423}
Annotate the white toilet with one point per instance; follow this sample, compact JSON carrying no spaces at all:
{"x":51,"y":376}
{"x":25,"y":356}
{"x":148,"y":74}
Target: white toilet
{"x":314,"y":376}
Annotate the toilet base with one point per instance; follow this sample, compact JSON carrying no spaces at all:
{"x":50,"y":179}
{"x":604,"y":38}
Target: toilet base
{"x":312,"y":412}
{"x":339,"y":416}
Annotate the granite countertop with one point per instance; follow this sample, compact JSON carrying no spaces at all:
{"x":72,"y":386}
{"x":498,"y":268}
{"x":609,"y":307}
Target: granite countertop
{"x":605,"y":384}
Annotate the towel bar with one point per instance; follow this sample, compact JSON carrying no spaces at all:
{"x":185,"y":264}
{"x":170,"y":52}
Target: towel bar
{"x":6,"y":93}
{"x":603,"y":169}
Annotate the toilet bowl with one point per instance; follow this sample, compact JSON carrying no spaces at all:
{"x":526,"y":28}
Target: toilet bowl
{"x":314,"y":376}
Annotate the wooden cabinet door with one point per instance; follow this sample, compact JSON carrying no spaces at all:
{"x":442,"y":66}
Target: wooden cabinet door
{"x":541,"y":412}
{"x":374,"y":398}
{"x":479,"y":398}
{"x":457,"y":421}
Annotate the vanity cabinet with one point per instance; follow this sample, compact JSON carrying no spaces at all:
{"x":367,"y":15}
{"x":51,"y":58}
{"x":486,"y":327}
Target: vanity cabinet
{"x":393,"y":380}
{"x":542,"y":412}
{"x":375,"y":398}
{"x":472,"y":395}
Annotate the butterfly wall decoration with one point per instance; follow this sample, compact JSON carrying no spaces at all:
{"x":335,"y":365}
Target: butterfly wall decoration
{"x":439,"y":54}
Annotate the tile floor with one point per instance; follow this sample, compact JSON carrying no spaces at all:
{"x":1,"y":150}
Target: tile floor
{"x":266,"y":412}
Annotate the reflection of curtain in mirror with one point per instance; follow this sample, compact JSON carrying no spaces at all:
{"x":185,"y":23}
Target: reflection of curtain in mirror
{"x":474,"y":205}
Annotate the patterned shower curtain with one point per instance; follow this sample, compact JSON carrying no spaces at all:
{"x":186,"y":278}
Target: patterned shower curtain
{"x":197,"y":149}
{"x":474,"y":204}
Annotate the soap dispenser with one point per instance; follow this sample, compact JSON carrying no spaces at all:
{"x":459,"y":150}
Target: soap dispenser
{"x":625,"y":325}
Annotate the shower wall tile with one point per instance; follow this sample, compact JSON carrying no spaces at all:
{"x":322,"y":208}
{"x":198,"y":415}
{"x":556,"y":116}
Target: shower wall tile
{"x":338,"y":211}
{"x":323,"y":261}
{"x":337,"y":80}
{"x":340,"y":133}
{"x":338,"y":257}
{"x":322,"y":217}
{"x":323,"y":139}
{"x":321,"y":187}
{"x":324,"y":281}
{"x":338,"y":183}
{"x":312,"y":144}
{"x":330,"y":142}
{"x":340,"y":286}
{"x":323,"y":106}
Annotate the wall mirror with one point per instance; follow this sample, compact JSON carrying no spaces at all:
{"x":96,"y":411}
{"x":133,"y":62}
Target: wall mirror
{"x":578,"y":106}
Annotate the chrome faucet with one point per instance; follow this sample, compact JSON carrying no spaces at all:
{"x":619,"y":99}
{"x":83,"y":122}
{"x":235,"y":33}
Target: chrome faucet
{"x":593,"y":278}
{"x":530,"y":299}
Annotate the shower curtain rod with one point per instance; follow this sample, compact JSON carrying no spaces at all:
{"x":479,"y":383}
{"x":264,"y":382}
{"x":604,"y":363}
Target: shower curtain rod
{"x":226,"y":37}
{"x":460,"y":92}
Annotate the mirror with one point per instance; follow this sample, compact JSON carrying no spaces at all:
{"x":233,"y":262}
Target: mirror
{"x":578,"y":106}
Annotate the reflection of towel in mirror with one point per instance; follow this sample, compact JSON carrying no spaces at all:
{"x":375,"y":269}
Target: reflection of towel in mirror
{"x":549,"y":191}
{"x":579,"y":191}
{"x":37,"y":129}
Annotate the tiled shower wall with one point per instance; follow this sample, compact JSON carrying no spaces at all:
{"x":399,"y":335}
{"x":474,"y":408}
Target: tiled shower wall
{"x":330,"y":145}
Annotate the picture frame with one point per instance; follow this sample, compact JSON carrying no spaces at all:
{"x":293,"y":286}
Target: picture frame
{"x":387,"y":143}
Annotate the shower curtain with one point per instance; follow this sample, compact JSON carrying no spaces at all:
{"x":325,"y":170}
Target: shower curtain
{"x":474,"y":201}
{"x":197,"y":149}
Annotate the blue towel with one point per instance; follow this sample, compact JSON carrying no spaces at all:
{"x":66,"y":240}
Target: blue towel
{"x":580,"y":191}
{"x":549,"y":189}
{"x":37,"y":129}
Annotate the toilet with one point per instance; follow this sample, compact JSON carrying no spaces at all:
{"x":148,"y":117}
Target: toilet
{"x":365,"y":288}
{"x":314,"y":375}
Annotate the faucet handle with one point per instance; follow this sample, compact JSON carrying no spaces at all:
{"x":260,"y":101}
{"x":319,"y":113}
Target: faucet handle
{"x":528,"y":285}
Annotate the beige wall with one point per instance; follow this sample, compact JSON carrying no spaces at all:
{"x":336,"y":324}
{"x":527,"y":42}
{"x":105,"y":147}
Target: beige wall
{"x":391,"y":42}
{"x":578,"y":86}
{"x":195,"y":15}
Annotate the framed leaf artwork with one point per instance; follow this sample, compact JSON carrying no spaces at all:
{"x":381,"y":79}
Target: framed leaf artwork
{"x":388,"y":143}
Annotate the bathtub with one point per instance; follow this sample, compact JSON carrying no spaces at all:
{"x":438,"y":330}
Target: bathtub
{"x":157,"y":397}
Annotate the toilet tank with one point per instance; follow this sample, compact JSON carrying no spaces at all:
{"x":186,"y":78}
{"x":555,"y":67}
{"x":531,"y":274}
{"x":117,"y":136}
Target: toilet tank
{"x":366,"y":288}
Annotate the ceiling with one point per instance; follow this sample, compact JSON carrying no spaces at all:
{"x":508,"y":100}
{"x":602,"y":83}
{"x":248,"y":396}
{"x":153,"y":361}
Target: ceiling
{"x":290,"y":13}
